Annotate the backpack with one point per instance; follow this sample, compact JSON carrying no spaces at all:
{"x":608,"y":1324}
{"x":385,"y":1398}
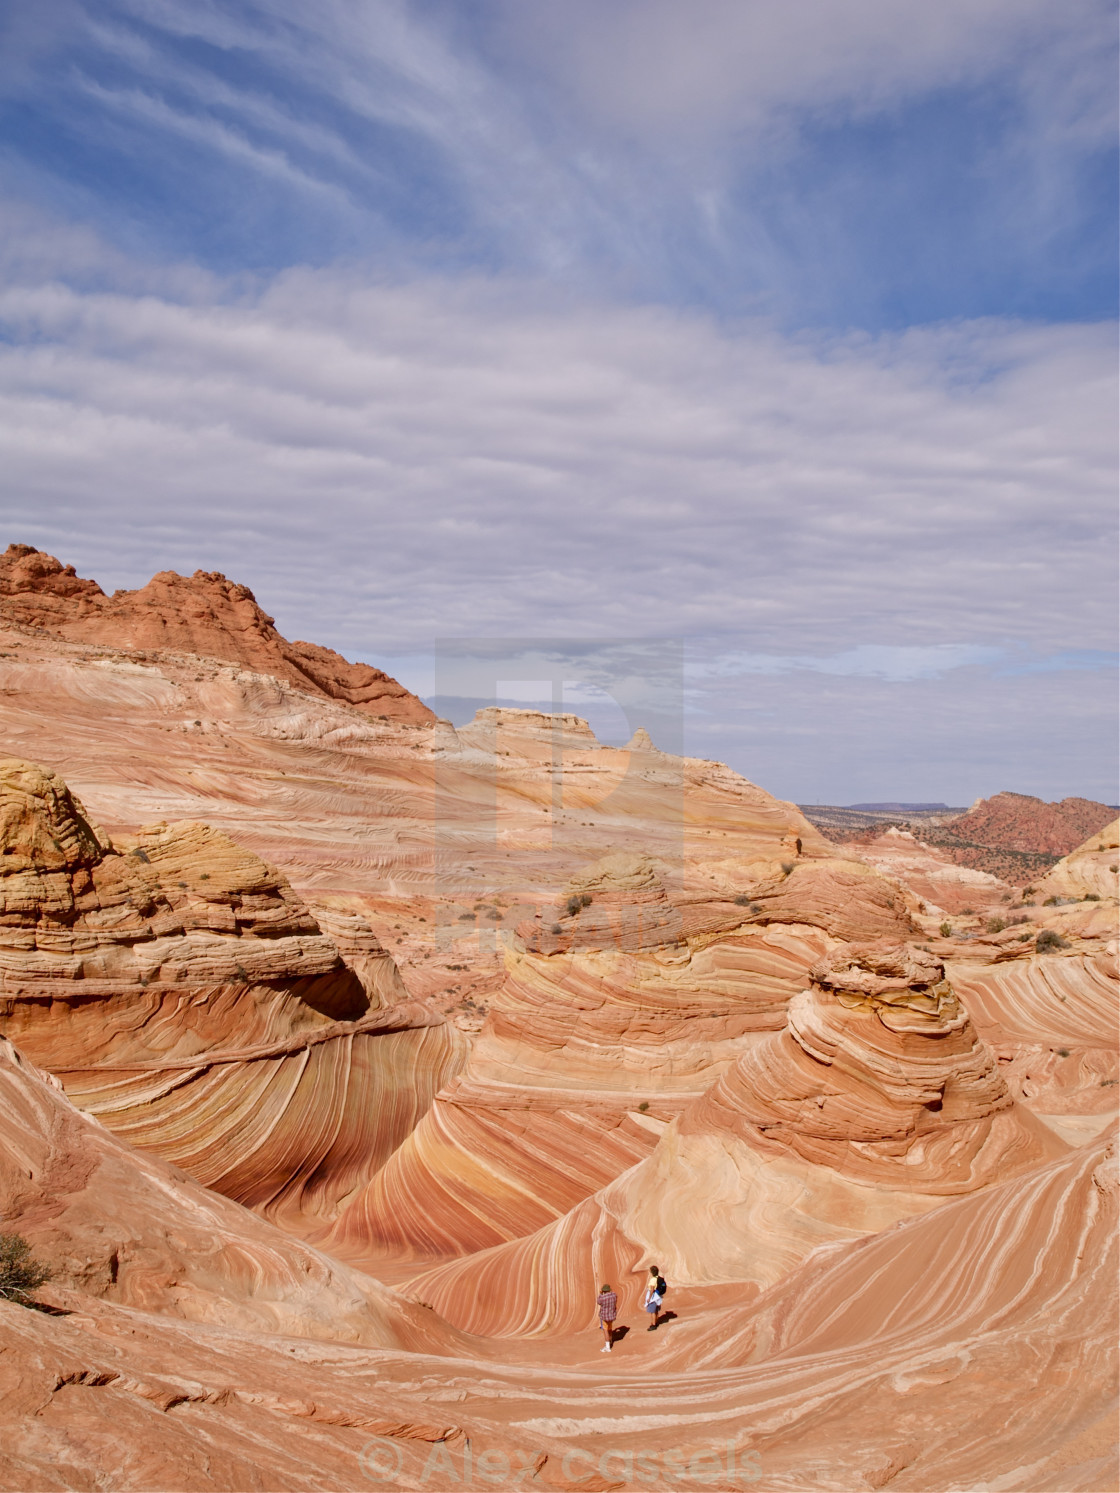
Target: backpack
{"x":661,"y":1286}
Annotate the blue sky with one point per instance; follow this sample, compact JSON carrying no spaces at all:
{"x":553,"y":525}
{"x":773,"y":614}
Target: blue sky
{"x":787,"y":330}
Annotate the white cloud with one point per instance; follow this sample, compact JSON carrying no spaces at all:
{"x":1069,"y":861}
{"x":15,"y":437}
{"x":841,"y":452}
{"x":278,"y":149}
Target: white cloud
{"x":467,"y":462}
{"x":689,"y":71}
{"x":867,"y":661}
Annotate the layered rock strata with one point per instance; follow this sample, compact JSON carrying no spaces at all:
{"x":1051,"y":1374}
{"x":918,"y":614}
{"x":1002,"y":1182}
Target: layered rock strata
{"x":186,"y":996}
{"x":583,"y":1059}
{"x":127,"y":1228}
{"x":203,"y":614}
{"x":875,"y":1101}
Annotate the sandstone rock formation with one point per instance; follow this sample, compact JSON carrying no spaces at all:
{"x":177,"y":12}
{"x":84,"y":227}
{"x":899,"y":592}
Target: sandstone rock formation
{"x":583,"y":1059}
{"x":203,"y":614}
{"x":636,"y":1009}
{"x":184,"y":994}
{"x":875,"y":1101}
{"x":124,"y":1227}
{"x":1018,"y":822}
{"x":1089,"y":871}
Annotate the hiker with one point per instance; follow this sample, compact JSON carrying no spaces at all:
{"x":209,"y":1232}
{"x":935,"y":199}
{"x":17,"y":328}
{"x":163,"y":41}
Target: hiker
{"x":607,"y":1303}
{"x":655,"y":1294}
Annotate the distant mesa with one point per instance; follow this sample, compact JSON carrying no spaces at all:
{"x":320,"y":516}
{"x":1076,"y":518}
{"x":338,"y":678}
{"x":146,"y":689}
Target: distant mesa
{"x":889,"y":808}
{"x":1018,"y":822}
{"x":1012,"y":835}
{"x":205,"y":614}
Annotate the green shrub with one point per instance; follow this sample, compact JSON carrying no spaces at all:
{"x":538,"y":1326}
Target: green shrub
{"x":20,"y":1272}
{"x":643,"y":1106}
{"x":996,"y":925}
{"x":946,"y":929}
{"x":1048,"y":940}
{"x":1092,"y":897}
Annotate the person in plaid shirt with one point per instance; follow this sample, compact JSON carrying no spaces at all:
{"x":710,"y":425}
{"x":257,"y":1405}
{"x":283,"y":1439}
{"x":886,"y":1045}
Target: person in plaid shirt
{"x":608,"y":1310}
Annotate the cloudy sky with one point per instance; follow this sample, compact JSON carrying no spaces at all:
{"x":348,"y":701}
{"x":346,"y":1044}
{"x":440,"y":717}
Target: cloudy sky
{"x":779,"y":333}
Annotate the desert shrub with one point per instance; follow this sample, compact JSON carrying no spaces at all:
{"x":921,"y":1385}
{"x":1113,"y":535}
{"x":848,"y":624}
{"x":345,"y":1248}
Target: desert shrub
{"x":966,"y":912}
{"x":556,"y":928}
{"x":1048,"y":940}
{"x":946,"y":929}
{"x":1024,"y":938}
{"x":1050,"y":902}
{"x":643,"y":1106}
{"x":787,"y":867}
{"x":20,"y":1272}
{"x":1091,"y":897}
{"x":466,"y":917}
{"x":742,"y":901}
{"x":574,"y":905}
{"x":996,"y":925}
{"x":1063,"y":1052}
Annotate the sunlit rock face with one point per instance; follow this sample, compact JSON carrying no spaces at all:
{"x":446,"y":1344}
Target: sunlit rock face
{"x":205,"y":614}
{"x":127,"y":1228}
{"x":874,"y":1102}
{"x":868,"y":1154}
{"x":584,"y":1058}
{"x":184,"y":994}
{"x":1088,"y":871}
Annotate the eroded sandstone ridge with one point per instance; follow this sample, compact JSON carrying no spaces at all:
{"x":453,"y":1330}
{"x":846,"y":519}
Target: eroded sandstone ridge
{"x":203,"y":614}
{"x":184,"y":994}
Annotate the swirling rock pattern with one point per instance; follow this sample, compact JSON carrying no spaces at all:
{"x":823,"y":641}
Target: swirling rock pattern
{"x":875,"y":1101}
{"x":186,"y":996}
{"x":584,"y":1058}
{"x":125,"y":1227}
{"x":745,"y":1057}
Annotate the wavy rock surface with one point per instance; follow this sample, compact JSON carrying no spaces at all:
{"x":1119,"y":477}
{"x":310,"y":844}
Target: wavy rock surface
{"x":127,"y":1228}
{"x":583,"y":1059}
{"x":875,"y":1101}
{"x":818,"y":1164}
{"x":203,"y":614}
{"x":1088,"y":871}
{"x":185,"y":995}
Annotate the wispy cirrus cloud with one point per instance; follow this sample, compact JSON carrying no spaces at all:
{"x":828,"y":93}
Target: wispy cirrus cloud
{"x":872,"y":164}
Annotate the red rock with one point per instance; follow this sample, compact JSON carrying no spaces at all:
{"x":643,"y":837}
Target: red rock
{"x":204,"y":614}
{"x":1016,"y":821}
